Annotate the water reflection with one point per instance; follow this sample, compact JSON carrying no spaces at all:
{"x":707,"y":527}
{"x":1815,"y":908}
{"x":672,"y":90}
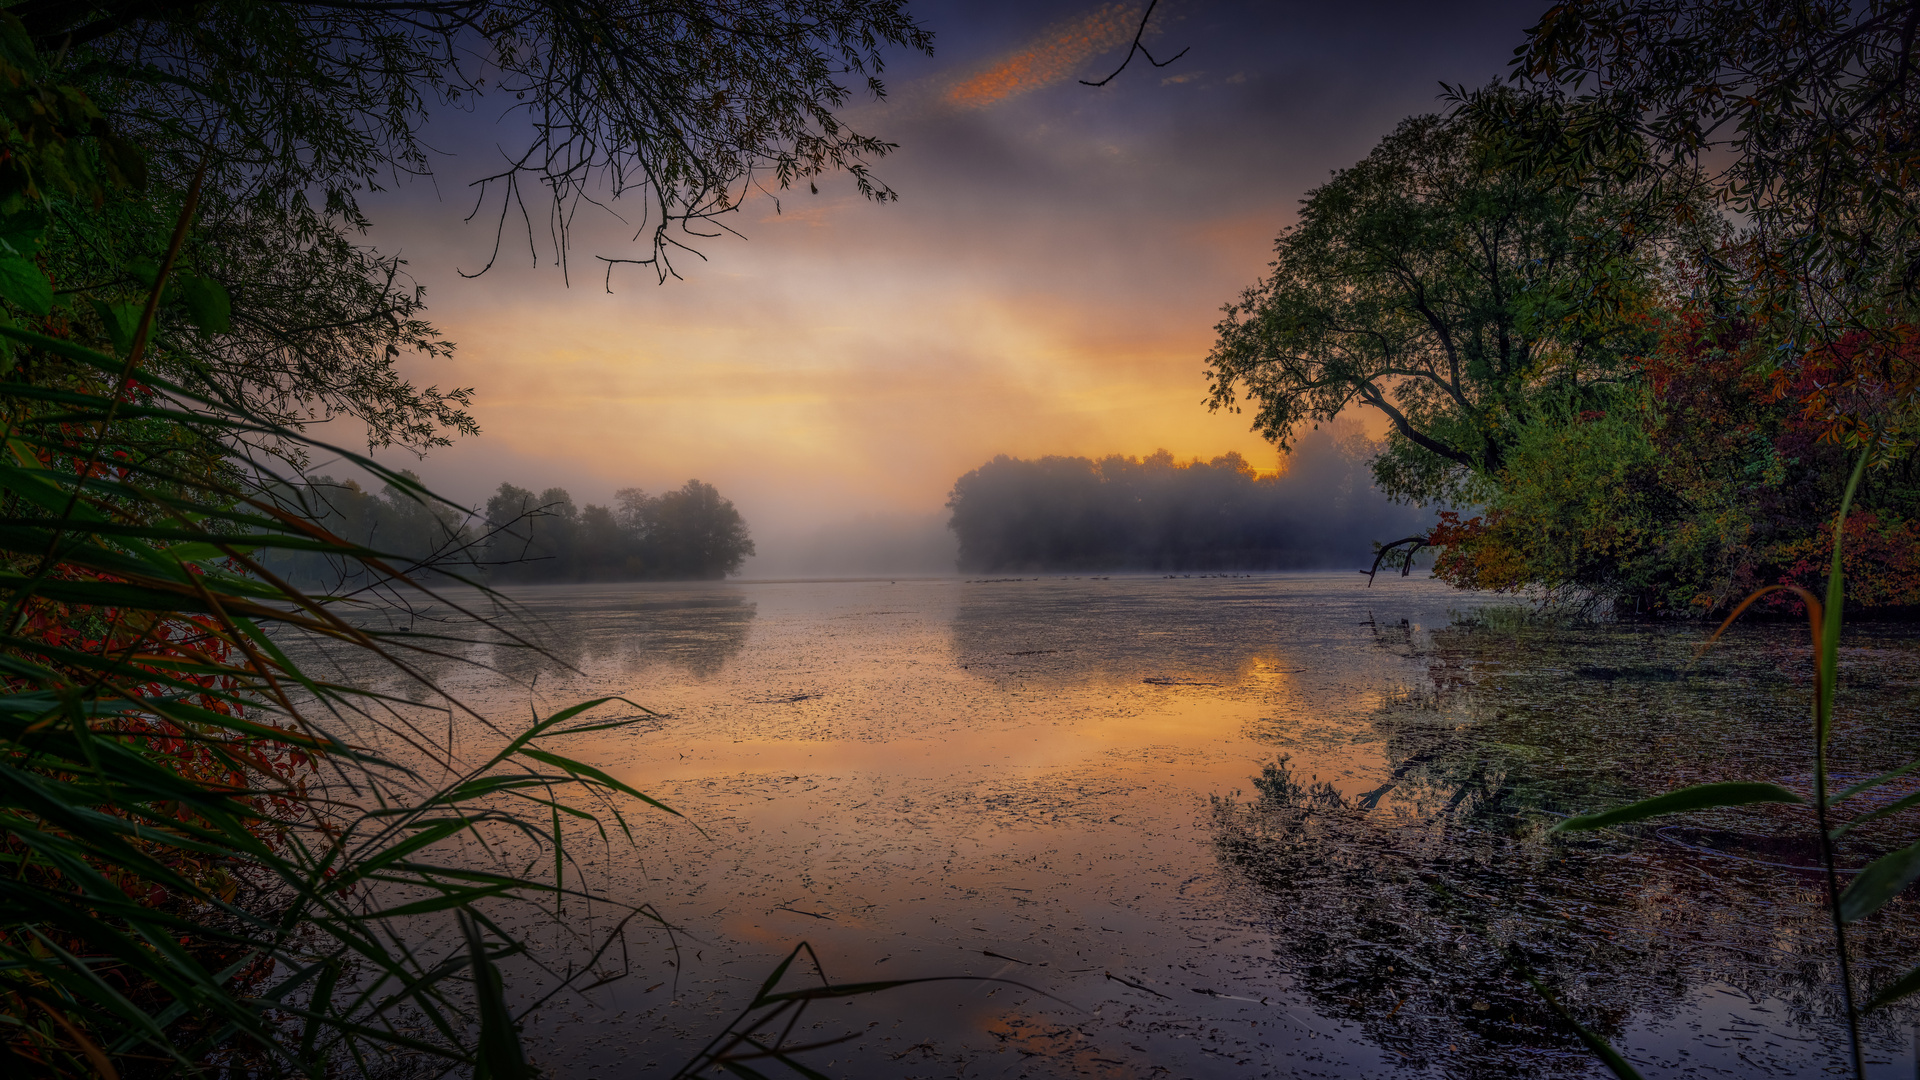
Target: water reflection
{"x":693,"y":629}
{"x":1070,"y":632}
{"x":608,"y":631}
{"x":1401,"y":907}
{"x":931,"y":777}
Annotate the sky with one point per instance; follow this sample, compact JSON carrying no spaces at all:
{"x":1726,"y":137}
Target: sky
{"x":1047,"y":282}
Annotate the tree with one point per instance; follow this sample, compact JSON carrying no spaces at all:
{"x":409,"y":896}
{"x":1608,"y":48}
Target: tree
{"x":1806,"y":111}
{"x":292,"y":112}
{"x":1457,"y":296}
{"x":1123,"y":513}
{"x":691,"y":533}
{"x":696,"y":533}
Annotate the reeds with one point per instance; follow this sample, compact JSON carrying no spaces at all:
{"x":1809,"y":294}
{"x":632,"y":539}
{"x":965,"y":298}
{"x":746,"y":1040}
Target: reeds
{"x":1874,"y":885}
{"x":204,"y":864}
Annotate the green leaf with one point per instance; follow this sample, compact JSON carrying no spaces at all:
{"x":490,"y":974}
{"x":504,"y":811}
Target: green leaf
{"x":15,"y":42}
{"x":430,"y":833}
{"x":121,"y":321}
{"x":499,"y":1055}
{"x":23,"y":285}
{"x":207,"y":303}
{"x":1698,"y":797}
{"x":1602,"y":1049}
{"x":1894,"y":991}
{"x":1869,"y":785}
{"x":1882,"y":880}
{"x":22,"y":231}
{"x":1893,"y":808}
{"x":577,"y":768}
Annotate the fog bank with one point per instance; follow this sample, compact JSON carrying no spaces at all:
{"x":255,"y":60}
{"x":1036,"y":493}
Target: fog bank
{"x":866,"y":545}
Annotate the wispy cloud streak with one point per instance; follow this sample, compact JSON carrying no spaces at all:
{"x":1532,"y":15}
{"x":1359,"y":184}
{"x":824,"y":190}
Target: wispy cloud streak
{"x":1059,"y":53}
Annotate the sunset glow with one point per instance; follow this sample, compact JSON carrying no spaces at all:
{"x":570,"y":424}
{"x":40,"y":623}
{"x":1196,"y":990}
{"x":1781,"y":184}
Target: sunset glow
{"x":1047,"y":283}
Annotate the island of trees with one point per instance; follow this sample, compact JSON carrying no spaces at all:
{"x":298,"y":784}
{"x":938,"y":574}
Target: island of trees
{"x":691,"y":533}
{"x":1123,"y":513}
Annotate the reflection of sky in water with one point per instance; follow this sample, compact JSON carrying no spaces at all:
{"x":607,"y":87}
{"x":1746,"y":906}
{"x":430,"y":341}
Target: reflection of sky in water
{"x":1055,"y":781}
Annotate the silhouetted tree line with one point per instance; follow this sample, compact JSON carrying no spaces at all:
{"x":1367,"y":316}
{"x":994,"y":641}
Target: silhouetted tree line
{"x":519,"y":536}
{"x":1075,"y":513}
{"x":692,"y":533}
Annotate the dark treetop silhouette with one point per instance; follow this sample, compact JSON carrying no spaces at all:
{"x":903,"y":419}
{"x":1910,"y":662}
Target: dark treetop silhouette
{"x":691,"y":533}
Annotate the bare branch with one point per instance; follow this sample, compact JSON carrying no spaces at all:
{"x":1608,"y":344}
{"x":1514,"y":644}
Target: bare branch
{"x":1140,"y":48}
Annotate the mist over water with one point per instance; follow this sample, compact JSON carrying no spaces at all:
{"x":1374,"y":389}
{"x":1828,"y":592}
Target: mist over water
{"x":1318,"y":510}
{"x":863,"y":545}
{"x":1321,"y":510}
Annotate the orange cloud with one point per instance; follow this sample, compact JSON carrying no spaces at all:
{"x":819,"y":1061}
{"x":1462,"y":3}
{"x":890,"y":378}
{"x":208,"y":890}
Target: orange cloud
{"x":1058,"y":54}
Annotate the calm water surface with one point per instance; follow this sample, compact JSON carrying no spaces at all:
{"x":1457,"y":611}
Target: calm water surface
{"x":1213,"y":827}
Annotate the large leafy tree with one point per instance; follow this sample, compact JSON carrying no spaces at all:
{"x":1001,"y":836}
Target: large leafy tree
{"x":290,"y":113}
{"x":1804,"y":113}
{"x":1460,"y":296}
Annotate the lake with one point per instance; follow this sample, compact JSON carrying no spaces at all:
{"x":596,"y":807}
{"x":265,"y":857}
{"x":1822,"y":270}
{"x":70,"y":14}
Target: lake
{"x":1201,"y":826}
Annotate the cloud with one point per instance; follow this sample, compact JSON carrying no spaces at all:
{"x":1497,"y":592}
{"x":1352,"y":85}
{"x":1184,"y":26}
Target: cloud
{"x":1047,"y":284}
{"x":1059,"y":53}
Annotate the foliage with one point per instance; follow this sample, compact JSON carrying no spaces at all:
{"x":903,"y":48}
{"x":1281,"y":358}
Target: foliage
{"x":295,"y":112}
{"x":317,"y":323}
{"x":209,"y":866}
{"x":1705,"y":481}
{"x":693,"y":533}
{"x":1462,"y":298}
{"x":1779,"y":345}
{"x":185,"y":889}
{"x":1803,"y":111}
{"x":690,"y":534}
{"x":1878,"y":882}
{"x":1058,"y":513}
{"x":1721,"y":372}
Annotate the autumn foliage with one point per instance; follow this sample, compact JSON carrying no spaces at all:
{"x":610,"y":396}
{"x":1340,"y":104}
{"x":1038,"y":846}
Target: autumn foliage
{"x":1712,"y":474}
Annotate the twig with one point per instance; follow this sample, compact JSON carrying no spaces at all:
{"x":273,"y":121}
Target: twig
{"x":1141,"y":49}
{"x":1137,"y":986}
{"x":1406,"y":568}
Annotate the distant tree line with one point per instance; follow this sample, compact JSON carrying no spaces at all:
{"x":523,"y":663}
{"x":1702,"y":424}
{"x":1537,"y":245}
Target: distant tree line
{"x":693,"y":533}
{"x":1076,"y":513}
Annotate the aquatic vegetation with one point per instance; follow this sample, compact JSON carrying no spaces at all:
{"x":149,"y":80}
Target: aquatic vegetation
{"x":1400,"y":901}
{"x":1876,"y":884}
{"x":216,"y":858}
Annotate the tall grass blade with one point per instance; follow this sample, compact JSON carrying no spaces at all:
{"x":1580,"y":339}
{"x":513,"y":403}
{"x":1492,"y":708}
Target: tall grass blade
{"x":1902,"y":987}
{"x":1882,"y":880}
{"x":1868,"y":785}
{"x":1698,"y":797}
{"x":499,"y":1055}
{"x":1617,"y":1065}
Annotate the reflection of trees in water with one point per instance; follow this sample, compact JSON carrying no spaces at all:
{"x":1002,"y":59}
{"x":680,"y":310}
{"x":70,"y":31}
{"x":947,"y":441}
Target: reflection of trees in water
{"x":1395,"y":907}
{"x":1075,"y":632}
{"x":693,"y":632}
